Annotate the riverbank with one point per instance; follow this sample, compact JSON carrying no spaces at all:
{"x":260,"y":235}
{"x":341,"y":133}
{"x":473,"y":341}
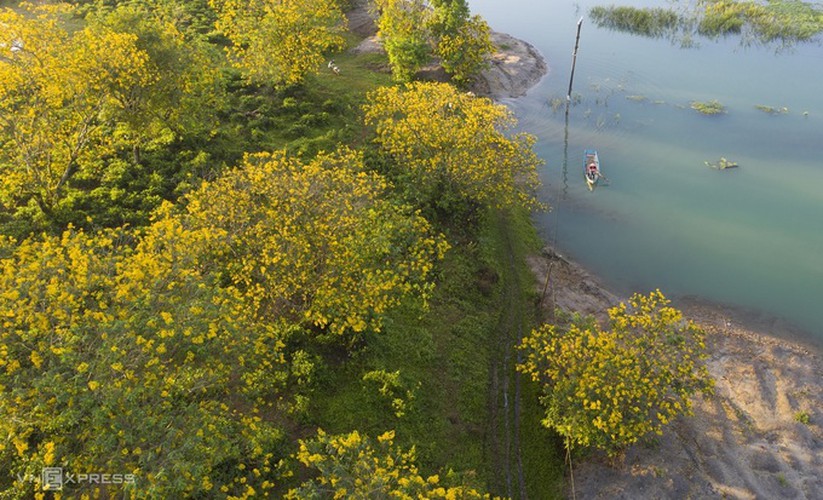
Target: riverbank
{"x":514,"y":67}
{"x":759,"y":436}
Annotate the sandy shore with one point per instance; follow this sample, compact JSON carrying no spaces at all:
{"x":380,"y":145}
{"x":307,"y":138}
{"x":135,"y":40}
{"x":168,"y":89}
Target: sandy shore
{"x":759,"y":436}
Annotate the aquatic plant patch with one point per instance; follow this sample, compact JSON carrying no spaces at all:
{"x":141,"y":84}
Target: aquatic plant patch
{"x":771,"y":109}
{"x":653,"y":22}
{"x":713,"y":107}
{"x":763,"y":21}
{"x":722,"y":164}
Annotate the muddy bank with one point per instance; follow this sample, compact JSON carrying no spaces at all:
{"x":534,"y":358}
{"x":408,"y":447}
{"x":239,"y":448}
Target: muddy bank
{"x":759,"y":436}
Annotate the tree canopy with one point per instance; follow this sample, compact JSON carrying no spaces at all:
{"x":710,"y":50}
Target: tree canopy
{"x":279,"y":42}
{"x":414,"y":30}
{"x":316,"y":242}
{"x":355,"y":466}
{"x":611,"y":388}
{"x":450,"y":145}
{"x":58,"y":90}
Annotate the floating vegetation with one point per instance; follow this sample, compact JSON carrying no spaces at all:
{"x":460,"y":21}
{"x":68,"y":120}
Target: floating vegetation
{"x":637,"y":98}
{"x":712,"y":107}
{"x":772,"y":110}
{"x":652,"y":22}
{"x":783,"y":21}
{"x":556,"y":103}
{"x":722,"y":164}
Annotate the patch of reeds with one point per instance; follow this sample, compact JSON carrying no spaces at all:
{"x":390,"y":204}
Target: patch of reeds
{"x":653,"y":22}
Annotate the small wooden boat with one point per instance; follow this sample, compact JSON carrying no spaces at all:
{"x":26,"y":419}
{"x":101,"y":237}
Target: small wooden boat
{"x":591,"y":168}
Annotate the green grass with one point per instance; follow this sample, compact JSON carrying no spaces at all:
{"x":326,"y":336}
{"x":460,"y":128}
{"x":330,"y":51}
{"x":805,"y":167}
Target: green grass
{"x":802,"y":417}
{"x":444,"y":356}
{"x":540,"y":448}
{"x":774,"y":20}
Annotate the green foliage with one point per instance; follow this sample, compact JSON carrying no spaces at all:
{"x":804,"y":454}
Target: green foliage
{"x":403,"y":25}
{"x":58,"y":91}
{"x":784,"y":20}
{"x":390,"y":388}
{"x":611,"y":388}
{"x":413,"y":30}
{"x":464,"y":53}
{"x":354,"y":466}
{"x":771,"y":110}
{"x":802,"y":417}
{"x":101,"y":151}
{"x":185,"y":83}
{"x":188,"y":352}
{"x":449,"y":15}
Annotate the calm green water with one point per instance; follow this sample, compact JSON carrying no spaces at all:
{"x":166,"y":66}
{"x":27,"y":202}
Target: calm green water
{"x":752,"y":236}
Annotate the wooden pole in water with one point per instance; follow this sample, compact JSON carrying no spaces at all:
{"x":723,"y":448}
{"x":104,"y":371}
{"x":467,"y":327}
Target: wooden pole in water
{"x":574,"y":59}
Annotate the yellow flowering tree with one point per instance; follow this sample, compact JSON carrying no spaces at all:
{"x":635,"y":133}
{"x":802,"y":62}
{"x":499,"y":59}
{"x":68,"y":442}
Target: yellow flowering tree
{"x":134,"y":363}
{"x":56,"y":93}
{"x":465,"y":51}
{"x":450,"y":146}
{"x":610,"y":388}
{"x":181,"y":92}
{"x":355,"y":466}
{"x":279,"y":42}
{"x":317,"y":243}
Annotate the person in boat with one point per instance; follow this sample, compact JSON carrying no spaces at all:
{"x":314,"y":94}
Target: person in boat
{"x":592,"y":170}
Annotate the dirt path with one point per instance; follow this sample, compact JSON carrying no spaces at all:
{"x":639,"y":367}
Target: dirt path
{"x":505,"y":455}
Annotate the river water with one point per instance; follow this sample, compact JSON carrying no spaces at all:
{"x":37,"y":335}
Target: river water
{"x":750,"y":236}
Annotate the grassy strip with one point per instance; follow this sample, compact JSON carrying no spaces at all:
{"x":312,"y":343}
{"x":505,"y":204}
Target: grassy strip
{"x":443,"y":358}
{"x":540,"y":450}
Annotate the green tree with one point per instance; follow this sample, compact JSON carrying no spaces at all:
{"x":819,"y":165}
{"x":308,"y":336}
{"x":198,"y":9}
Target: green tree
{"x":354,"y":466}
{"x":450,"y":147}
{"x":611,"y":388}
{"x":461,"y":41}
{"x":403,"y":26}
{"x":183,"y":91}
{"x":280,"y":42}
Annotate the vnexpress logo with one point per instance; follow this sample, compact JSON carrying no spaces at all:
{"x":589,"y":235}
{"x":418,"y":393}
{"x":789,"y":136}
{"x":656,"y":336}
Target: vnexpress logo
{"x":52,"y":478}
